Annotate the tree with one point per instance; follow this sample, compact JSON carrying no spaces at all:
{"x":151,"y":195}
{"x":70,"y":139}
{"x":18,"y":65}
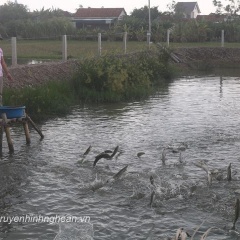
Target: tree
{"x":171,"y":7}
{"x":13,"y":11}
{"x":143,"y":13}
{"x":232,"y":7}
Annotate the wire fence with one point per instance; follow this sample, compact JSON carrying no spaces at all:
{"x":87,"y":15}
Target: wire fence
{"x":62,"y":48}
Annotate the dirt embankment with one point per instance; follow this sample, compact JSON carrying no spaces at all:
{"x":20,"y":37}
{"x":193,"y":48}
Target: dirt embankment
{"x":32,"y":75}
{"x":211,"y":57}
{"x":37,"y":74}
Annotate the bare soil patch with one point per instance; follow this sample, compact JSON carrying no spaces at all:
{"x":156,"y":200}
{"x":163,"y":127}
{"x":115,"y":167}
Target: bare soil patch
{"x":211,"y":57}
{"x":37,"y":74}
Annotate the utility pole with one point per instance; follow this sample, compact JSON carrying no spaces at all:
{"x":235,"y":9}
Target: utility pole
{"x":149,"y":17}
{"x":149,"y":25}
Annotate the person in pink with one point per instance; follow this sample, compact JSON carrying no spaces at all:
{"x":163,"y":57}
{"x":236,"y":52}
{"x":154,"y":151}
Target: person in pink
{"x":3,"y":67}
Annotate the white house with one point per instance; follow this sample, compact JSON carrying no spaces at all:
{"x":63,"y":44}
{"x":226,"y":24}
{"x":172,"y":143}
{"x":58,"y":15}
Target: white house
{"x":188,"y":9}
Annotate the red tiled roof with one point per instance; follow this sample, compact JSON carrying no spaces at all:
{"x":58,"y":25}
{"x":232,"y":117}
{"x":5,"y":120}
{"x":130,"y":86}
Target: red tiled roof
{"x":67,"y":14}
{"x":98,"y":12}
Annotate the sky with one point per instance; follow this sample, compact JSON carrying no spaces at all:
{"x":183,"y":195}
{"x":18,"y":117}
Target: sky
{"x":205,"y":6}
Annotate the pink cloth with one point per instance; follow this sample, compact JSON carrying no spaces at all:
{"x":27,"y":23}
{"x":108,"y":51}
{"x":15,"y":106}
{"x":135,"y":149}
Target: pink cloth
{"x":1,"y":55}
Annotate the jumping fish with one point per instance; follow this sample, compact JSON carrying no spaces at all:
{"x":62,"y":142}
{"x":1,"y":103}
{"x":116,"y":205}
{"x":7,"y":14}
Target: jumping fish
{"x":163,"y":158}
{"x":120,"y":173}
{"x":229,"y":172}
{"x":117,"y":155}
{"x":98,"y":183}
{"x":152,"y":198}
{"x":236,"y":215}
{"x":153,"y":194}
{"x":115,"y":151}
{"x":180,"y":157}
{"x":108,"y":151}
{"x":85,"y":154}
{"x":151,"y":180}
{"x":209,"y":175}
{"x":182,"y":147}
{"x":140,"y":154}
{"x":105,"y":156}
{"x":87,"y":151}
{"x":101,"y":155}
{"x":205,"y":168}
{"x":202,"y":165}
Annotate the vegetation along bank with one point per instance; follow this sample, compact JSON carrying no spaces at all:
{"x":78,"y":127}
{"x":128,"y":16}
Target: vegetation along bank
{"x":52,"y":88}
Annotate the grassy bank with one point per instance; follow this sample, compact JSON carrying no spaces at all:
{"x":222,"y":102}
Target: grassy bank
{"x":109,"y":78}
{"x":52,"y":49}
{"x":123,"y":77}
{"x":50,"y":99}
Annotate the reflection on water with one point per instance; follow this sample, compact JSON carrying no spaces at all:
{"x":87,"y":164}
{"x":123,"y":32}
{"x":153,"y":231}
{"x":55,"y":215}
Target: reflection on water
{"x":34,"y":62}
{"x":29,"y":61}
{"x":52,"y":177}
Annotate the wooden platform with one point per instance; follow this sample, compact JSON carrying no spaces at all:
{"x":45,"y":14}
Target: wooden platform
{"x":5,"y":125}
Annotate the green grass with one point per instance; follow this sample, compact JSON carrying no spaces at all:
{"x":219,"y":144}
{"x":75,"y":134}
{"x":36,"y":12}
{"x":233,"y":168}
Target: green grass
{"x":110,"y":78}
{"x":52,"y":49}
{"x":52,"y":98}
{"x":76,"y":49}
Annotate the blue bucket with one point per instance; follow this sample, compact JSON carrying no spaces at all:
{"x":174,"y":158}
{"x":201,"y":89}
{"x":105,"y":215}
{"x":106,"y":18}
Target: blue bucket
{"x":13,"y":112}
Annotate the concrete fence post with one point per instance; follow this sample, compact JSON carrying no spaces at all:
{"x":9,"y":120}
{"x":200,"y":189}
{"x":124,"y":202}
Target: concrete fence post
{"x":99,"y":44}
{"x":222,"y":39}
{"x":148,"y":39}
{"x":168,"y":36}
{"x":64,"y":47}
{"x":125,"y":42}
{"x":14,"y":51}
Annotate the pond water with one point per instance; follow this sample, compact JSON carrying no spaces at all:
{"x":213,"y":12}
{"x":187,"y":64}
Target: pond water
{"x":29,"y":61}
{"x":51,"y":178}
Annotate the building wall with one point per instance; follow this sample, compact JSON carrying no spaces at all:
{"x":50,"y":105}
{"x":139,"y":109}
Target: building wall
{"x":194,"y":13}
{"x":122,"y":15}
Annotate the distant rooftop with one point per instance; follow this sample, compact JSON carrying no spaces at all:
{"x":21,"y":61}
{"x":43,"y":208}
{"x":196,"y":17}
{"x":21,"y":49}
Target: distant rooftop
{"x":99,"y":12}
{"x":187,"y":7}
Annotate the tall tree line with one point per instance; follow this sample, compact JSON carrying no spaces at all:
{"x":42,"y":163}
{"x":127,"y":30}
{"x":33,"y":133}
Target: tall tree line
{"x":17,"y":21}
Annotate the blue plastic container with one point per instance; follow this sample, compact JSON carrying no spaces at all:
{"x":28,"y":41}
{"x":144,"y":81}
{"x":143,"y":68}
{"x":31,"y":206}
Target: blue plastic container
{"x":13,"y":112}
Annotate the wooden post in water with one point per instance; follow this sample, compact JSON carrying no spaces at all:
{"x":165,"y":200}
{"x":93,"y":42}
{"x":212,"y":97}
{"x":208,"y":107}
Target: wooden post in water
{"x":34,"y":126}
{"x":7,"y":131}
{"x":5,"y":126}
{"x":26,"y":130}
